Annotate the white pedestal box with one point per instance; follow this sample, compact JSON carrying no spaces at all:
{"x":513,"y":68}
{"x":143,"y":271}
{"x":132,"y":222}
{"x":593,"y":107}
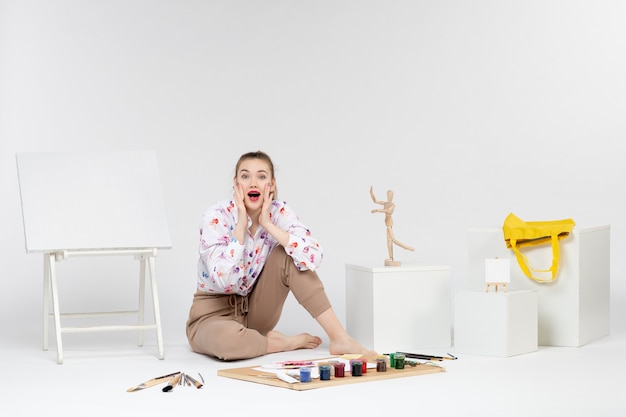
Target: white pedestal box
{"x":399,"y":308}
{"x":495,"y":324}
{"x":574,"y":309}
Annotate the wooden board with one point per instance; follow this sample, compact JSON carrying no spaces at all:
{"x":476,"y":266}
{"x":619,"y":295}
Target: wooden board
{"x":253,"y":374}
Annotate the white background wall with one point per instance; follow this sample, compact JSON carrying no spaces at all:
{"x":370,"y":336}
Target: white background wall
{"x":467,"y":110}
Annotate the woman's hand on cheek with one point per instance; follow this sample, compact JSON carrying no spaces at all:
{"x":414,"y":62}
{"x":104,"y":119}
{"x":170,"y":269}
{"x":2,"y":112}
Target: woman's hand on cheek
{"x":241,"y":206}
{"x":264,"y":217}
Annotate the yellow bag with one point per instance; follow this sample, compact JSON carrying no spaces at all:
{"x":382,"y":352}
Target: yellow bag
{"x":519,"y":234}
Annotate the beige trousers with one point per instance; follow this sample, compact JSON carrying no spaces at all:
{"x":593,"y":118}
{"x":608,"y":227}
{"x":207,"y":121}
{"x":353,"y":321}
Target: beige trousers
{"x":231,"y":327}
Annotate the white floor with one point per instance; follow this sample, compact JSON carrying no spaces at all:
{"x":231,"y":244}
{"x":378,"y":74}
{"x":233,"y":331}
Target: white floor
{"x":92,"y":381}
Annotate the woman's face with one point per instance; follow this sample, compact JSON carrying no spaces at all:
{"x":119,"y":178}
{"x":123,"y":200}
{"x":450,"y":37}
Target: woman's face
{"x":254,"y":175}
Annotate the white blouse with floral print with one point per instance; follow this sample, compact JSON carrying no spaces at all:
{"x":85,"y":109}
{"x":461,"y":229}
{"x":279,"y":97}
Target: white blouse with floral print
{"x":227,"y":266}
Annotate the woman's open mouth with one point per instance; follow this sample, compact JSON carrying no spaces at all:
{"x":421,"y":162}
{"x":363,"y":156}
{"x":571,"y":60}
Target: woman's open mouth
{"x":254,"y":195}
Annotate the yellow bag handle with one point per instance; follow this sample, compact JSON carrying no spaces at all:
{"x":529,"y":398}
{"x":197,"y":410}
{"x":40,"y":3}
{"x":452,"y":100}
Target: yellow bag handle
{"x":518,"y":233}
{"x":522,"y":260}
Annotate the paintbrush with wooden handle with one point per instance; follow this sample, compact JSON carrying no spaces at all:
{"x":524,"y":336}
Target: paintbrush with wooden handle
{"x":152,"y":382}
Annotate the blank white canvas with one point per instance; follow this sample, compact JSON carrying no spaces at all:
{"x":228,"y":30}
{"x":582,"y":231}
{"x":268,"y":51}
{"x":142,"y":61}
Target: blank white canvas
{"x":92,"y":200}
{"x":497,"y":270}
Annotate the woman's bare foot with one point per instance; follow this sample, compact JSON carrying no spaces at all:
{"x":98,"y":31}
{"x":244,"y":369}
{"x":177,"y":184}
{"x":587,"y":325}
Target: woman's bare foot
{"x":347,"y":344}
{"x":340,"y":341}
{"x":278,"y":342}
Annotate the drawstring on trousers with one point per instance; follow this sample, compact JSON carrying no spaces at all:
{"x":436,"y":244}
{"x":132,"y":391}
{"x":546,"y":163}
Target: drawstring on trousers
{"x":240,"y":305}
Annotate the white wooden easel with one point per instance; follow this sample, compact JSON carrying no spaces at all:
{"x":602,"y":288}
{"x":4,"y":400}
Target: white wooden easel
{"x":121,"y":190}
{"x":497,"y":273}
{"x":145,"y":256}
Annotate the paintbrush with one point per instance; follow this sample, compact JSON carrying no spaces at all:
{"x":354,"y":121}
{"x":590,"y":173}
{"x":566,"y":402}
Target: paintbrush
{"x":193,"y":381}
{"x":152,"y":382}
{"x":173,"y":382}
{"x":428,"y":357}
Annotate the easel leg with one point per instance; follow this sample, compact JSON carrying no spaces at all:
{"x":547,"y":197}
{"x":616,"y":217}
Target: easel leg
{"x":142,"y":297}
{"x":46,"y":299}
{"x":55,"y":306}
{"x":155,"y":303}
{"x":496,"y":285}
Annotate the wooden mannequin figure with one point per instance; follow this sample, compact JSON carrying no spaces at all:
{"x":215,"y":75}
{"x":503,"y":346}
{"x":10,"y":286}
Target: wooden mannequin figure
{"x":388,"y":208}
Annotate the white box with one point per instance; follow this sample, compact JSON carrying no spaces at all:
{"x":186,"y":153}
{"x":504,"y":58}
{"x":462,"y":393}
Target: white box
{"x":399,"y":308}
{"x":574,"y":309}
{"x":495,"y":324}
